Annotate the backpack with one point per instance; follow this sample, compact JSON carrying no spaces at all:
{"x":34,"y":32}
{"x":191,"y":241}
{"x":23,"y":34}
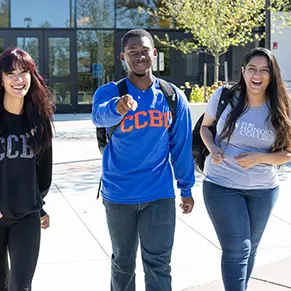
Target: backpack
{"x":169,"y":93}
{"x":199,"y":150}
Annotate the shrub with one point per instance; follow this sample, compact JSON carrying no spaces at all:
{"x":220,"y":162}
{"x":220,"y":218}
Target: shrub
{"x":197,"y":93}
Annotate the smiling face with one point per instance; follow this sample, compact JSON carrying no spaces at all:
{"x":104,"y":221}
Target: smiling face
{"x":16,"y":84}
{"x":257,"y":75}
{"x":138,"y":56}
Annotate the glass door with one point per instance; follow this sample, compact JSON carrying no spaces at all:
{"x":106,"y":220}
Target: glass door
{"x":95,"y":64}
{"x":59,"y":67}
{"x":53,"y":52}
{"x":30,"y":41}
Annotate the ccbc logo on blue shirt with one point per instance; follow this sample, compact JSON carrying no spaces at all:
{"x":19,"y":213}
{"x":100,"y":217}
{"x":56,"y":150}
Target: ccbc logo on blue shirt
{"x":142,"y":119}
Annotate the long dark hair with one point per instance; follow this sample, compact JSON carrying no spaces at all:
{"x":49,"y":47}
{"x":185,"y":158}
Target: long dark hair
{"x":279,"y":101}
{"x":39,"y":104}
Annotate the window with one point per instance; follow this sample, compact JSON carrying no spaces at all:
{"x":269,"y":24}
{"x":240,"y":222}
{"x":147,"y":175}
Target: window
{"x":95,"y":62}
{"x":4,"y":13}
{"x":59,"y":56}
{"x":191,"y":61}
{"x":31,"y":45}
{"x":139,"y":13}
{"x":95,"y":13}
{"x":41,"y":13}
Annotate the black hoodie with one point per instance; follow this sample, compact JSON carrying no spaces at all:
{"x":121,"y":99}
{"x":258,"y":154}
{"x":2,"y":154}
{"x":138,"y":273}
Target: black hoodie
{"x":25,"y":178}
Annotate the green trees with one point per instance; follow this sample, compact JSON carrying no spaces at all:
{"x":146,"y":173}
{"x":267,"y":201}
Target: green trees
{"x":214,"y":25}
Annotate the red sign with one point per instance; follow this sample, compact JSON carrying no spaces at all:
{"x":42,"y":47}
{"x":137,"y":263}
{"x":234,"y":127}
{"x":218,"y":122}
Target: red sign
{"x":275,"y":45}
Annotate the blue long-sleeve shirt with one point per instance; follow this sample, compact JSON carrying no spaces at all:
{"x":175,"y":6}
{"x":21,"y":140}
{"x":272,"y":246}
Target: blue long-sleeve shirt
{"x":137,"y":160}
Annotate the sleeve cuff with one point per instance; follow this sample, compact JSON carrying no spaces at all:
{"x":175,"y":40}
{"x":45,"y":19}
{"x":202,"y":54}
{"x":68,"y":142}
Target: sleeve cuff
{"x":113,"y":104}
{"x":186,"y":194}
{"x":42,"y":213}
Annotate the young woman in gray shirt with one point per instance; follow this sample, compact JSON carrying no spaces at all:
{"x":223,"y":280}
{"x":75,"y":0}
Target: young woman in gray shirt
{"x":241,"y":172}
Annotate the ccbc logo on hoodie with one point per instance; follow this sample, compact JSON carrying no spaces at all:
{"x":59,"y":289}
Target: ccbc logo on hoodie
{"x":13,"y":147}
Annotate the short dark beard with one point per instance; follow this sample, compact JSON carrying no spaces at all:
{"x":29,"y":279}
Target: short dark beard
{"x":140,"y":75}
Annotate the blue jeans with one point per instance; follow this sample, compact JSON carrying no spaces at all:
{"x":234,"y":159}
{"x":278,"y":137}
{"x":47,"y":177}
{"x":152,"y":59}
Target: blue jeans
{"x":153,"y":223}
{"x":239,"y":218}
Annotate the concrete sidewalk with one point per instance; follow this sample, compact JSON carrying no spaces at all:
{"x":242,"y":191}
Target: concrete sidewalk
{"x":75,"y":250}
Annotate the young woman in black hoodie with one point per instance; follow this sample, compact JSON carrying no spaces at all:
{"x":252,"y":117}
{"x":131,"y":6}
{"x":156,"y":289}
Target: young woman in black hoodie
{"x":26,"y":109}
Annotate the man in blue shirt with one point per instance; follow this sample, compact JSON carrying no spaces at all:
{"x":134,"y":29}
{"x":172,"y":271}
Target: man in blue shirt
{"x":138,"y":165}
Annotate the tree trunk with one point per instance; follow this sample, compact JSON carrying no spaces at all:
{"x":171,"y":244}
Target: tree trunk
{"x":216,"y":69}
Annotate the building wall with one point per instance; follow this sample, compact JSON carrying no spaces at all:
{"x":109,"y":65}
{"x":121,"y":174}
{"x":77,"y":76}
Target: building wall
{"x":281,"y":46}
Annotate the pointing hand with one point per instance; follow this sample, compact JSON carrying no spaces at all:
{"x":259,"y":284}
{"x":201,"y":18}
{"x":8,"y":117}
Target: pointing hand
{"x":125,"y":104}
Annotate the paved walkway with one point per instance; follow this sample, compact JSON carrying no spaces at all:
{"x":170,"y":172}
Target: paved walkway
{"x":75,"y":250}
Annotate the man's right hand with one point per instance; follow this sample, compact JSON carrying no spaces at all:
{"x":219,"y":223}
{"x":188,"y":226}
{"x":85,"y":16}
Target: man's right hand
{"x":1,"y":215}
{"x":125,"y":104}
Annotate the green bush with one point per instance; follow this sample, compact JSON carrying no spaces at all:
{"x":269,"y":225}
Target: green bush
{"x":197,"y":93}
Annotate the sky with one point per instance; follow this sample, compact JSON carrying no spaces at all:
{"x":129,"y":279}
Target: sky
{"x":56,"y":12}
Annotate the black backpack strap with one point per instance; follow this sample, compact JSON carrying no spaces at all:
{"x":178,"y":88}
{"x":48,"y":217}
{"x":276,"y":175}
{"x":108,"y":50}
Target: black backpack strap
{"x":99,"y":187}
{"x":101,"y":138}
{"x":122,"y":88}
{"x":223,"y":101}
{"x":170,"y":96}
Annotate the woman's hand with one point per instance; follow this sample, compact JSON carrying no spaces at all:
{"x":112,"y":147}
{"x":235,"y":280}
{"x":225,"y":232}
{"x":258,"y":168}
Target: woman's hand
{"x":1,"y":215}
{"x":216,"y":154}
{"x":248,"y":160}
{"x":45,"y":221}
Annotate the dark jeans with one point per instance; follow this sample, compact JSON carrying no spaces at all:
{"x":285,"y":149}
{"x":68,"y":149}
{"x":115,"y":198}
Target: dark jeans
{"x":20,"y":239}
{"x":153,"y":224}
{"x":239,"y":218}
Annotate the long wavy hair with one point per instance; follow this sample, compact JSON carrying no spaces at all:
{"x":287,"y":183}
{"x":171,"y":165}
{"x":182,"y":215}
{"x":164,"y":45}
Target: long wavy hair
{"x":39,"y":104}
{"x":278,"y":98}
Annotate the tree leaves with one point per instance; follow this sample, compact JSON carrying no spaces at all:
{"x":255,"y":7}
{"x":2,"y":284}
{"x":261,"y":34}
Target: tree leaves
{"x":214,"y":24}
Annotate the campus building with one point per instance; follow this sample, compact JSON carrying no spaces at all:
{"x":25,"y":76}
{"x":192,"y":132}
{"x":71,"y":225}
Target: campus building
{"x":76,"y":44}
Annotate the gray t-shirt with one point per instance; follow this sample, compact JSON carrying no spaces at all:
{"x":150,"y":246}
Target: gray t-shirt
{"x":253,"y":133}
